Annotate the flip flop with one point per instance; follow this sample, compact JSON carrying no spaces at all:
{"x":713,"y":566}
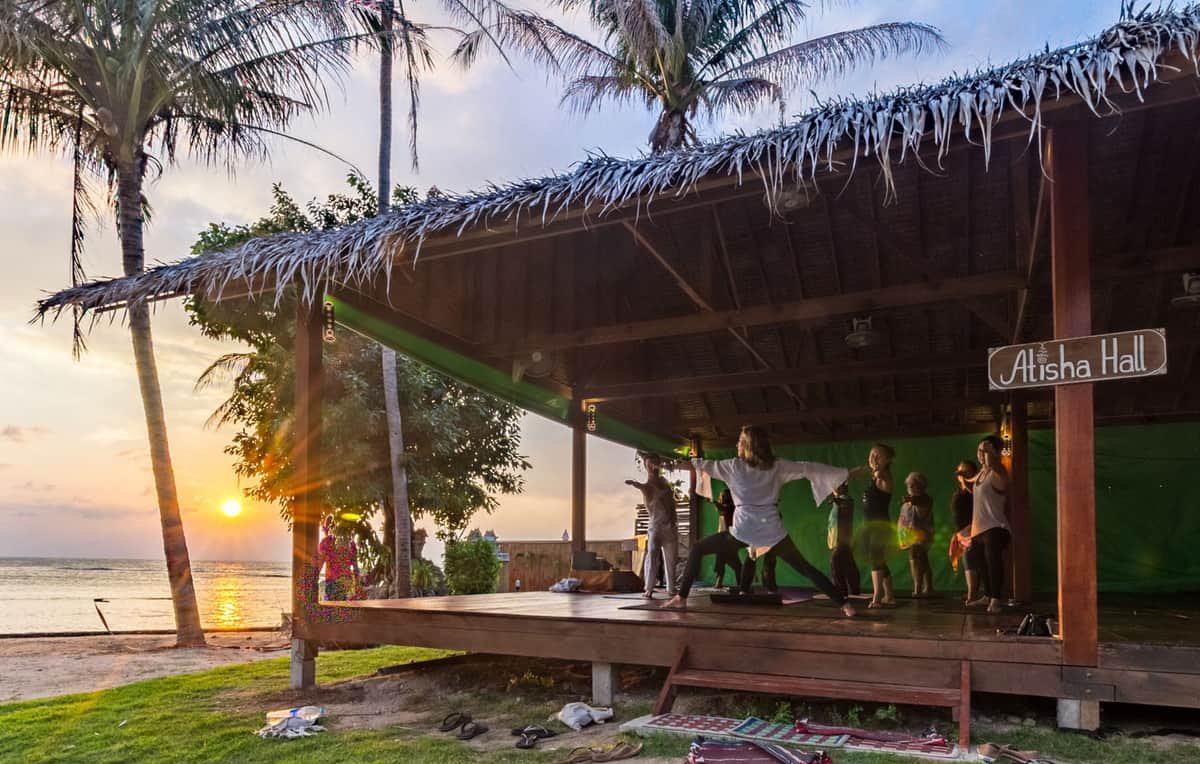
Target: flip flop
{"x":617,"y":752}
{"x":528,"y":741}
{"x":533,"y":729}
{"x":453,"y":721}
{"x":471,"y":730}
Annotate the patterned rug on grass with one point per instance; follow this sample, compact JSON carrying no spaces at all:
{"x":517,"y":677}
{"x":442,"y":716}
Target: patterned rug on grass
{"x":761,"y":730}
{"x":704,"y":751}
{"x":687,"y":724}
{"x":934,"y":749}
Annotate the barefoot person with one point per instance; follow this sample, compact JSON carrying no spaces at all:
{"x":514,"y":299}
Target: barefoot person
{"x":989,"y":521}
{"x":662,"y":532}
{"x":963,"y":510}
{"x":915,"y":533}
{"x":755,"y":477}
{"x":724,"y":523}
{"x":878,"y":533}
{"x":843,"y":570}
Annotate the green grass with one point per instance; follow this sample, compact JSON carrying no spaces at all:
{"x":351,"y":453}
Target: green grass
{"x":210,"y":717}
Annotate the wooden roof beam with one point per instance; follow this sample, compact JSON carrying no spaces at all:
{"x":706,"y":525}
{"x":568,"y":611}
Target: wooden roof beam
{"x":680,"y":386}
{"x":888,"y":408}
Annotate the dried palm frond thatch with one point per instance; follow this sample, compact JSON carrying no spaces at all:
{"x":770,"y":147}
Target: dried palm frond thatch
{"x":1125,"y":59}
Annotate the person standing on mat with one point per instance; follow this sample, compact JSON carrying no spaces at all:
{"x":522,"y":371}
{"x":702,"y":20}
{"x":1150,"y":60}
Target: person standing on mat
{"x":963,"y":510}
{"x":725,"y":507}
{"x":989,"y":521}
{"x":754,"y":478}
{"x":842,"y":567}
{"x":915,"y":533}
{"x":878,"y":532}
{"x":662,"y":532}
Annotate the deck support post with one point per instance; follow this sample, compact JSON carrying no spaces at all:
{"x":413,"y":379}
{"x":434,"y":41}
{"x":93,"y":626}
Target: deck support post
{"x":605,"y":680}
{"x":1075,"y":714}
{"x":1074,"y":426}
{"x":306,"y":506}
{"x":1020,"y":517}
{"x":578,"y":480}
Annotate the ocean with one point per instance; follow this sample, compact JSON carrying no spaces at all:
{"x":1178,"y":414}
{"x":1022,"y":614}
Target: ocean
{"x":57,"y":595}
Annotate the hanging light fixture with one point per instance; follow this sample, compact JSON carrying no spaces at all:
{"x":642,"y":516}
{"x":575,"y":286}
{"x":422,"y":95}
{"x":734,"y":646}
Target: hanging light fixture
{"x":862,"y":335}
{"x":1190,"y":300}
{"x":328,"y":322}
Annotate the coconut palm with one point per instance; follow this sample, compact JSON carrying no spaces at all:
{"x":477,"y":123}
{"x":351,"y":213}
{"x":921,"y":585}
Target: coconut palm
{"x":125,"y":88}
{"x":681,"y":57}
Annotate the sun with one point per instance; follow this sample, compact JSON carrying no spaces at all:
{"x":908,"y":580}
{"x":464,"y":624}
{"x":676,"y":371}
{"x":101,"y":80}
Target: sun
{"x":231,"y":508}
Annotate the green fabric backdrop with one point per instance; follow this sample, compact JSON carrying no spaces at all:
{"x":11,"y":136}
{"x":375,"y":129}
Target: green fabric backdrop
{"x":1147,"y":506}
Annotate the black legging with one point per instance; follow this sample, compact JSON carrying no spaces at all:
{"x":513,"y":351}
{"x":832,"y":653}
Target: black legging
{"x":724,"y":543}
{"x":994,"y":541}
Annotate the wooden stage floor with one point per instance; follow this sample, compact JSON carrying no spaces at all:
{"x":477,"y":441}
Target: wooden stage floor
{"x":1150,"y":646}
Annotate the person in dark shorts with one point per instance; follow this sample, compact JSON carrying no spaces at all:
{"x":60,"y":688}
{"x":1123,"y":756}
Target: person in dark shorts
{"x":843,"y":570}
{"x":963,"y":510}
{"x":879,"y":533}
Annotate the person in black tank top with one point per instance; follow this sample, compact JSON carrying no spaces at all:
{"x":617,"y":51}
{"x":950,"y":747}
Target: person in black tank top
{"x":878,"y":532}
{"x":963,"y":509}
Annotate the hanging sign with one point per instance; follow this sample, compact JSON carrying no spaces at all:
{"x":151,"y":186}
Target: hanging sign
{"x":1098,"y":358}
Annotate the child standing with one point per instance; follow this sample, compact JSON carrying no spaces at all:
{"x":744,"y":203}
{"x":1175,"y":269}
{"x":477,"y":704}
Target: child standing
{"x":915,"y":532}
{"x":843,"y":570}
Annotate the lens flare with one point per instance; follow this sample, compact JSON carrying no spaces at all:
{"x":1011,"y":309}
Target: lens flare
{"x":231,"y":508}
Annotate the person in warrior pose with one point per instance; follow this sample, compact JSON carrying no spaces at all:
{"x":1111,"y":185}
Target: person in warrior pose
{"x":842,"y":567}
{"x":989,"y":521}
{"x":724,"y":523}
{"x":878,"y":533}
{"x":755,"y":477}
{"x":662,"y":533}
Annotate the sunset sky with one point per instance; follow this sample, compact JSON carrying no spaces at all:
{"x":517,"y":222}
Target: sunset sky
{"x":74,"y":469}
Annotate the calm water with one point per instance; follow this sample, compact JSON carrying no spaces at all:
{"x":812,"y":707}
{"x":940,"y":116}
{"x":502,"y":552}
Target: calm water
{"x":56,"y":594}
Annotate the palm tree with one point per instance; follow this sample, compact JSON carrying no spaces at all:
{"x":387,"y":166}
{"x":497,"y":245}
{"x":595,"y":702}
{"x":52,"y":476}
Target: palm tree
{"x":682,"y":56}
{"x":123,"y":87}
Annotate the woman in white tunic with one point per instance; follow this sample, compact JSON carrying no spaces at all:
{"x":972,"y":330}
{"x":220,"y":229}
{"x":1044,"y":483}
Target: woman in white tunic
{"x":755,"y":477}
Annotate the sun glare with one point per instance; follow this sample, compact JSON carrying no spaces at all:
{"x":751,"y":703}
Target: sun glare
{"x":231,"y":508}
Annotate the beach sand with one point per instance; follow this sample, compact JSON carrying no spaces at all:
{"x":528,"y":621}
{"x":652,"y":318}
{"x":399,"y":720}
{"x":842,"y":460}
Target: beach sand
{"x":43,"y":667}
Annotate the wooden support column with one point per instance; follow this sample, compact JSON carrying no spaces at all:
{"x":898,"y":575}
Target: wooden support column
{"x":306,"y":477}
{"x":1020,"y":517}
{"x":578,"y":480}
{"x":1070,"y":254}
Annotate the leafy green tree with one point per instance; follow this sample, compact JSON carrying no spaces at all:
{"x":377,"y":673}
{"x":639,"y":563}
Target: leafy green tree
{"x":681,"y":56}
{"x":124,"y":88}
{"x":461,"y":445}
{"x":471,"y":565}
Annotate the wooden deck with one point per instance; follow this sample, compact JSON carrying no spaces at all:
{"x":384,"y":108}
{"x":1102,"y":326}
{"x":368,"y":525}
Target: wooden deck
{"x":1150,"y":650}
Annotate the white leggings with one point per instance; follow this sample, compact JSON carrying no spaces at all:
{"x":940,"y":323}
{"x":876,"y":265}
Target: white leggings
{"x":662,"y":544}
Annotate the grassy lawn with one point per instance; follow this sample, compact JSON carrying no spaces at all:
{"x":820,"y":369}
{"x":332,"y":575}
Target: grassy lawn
{"x":211,"y":715}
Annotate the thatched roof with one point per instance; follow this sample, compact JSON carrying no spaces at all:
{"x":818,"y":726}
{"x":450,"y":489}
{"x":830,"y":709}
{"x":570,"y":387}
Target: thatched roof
{"x":1124,"y":59}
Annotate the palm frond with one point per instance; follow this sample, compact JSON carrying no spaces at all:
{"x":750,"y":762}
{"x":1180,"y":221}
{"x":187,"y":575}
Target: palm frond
{"x":585,"y":94}
{"x":835,"y":54}
{"x":544,"y":42}
{"x":740,"y":95}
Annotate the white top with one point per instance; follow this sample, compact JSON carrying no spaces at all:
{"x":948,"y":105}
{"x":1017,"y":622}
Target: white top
{"x":756,"y":520}
{"x":989,"y":505}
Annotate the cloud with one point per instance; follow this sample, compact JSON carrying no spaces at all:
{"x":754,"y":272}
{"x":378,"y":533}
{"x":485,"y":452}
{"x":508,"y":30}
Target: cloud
{"x":30,"y":485}
{"x":17,"y":434}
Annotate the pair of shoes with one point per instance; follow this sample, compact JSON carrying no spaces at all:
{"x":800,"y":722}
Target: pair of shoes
{"x":462,"y":723}
{"x":530,"y":735}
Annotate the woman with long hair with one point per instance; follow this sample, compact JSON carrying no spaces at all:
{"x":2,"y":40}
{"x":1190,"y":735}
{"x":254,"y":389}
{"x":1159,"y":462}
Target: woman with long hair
{"x":878,"y":534}
{"x":989,"y":521}
{"x":755,"y":478}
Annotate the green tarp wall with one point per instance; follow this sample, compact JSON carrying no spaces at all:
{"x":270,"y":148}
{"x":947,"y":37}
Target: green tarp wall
{"x":1147,"y":506}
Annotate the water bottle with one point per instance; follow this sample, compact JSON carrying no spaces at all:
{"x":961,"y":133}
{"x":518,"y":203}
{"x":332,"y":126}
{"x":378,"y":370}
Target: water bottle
{"x":517,"y":586}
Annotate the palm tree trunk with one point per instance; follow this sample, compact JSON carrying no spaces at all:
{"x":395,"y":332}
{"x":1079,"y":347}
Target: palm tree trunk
{"x":402,"y":520}
{"x":670,"y":131}
{"x":179,"y":568}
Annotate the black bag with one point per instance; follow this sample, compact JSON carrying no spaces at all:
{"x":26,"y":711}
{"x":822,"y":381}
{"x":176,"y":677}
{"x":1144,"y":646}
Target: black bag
{"x":1033,"y":625}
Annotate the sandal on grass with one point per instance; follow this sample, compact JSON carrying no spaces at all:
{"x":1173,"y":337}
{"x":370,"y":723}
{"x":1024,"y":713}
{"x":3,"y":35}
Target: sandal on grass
{"x":617,"y":752}
{"x":453,"y":721}
{"x":528,"y":741}
{"x":471,"y":730}
{"x":534,"y":730}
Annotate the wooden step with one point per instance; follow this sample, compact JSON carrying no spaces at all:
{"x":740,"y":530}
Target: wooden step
{"x":819,"y":688}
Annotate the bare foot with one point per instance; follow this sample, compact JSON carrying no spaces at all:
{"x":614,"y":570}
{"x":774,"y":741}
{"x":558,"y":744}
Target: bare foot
{"x":978,"y":602}
{"x":675,"y":603}
{"x":887,"y":602}
{"x":994,"y":607}
{"x":647,"y":595}
{"x":848,"y":610}
{"x":874,"y":604}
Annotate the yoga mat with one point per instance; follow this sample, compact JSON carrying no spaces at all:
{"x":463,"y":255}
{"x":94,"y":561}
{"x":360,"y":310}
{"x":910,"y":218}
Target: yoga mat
{"x":684,"y":724}
{"x":761,"y":730}
{"x":725,"y":752}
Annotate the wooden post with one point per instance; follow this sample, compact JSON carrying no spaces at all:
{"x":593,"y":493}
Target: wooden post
{"x":306,"y":506}
{"x":1020,"y":517}
{"x":578,"y":481}
{"x":1070,"y":254}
